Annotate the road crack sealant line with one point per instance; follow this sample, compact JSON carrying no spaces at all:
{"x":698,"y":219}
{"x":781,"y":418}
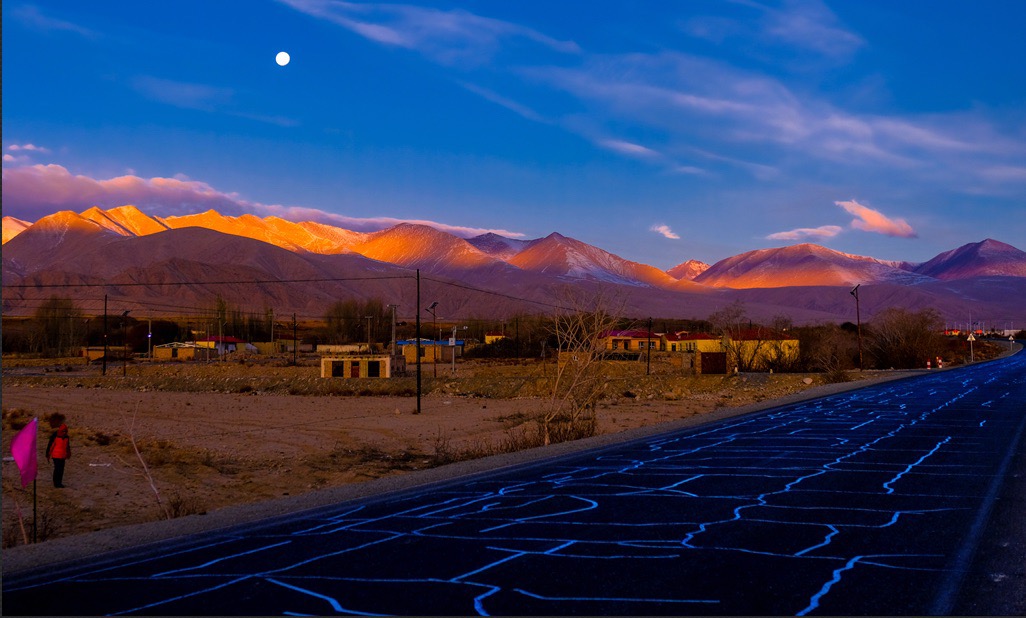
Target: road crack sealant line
{"x":581,"y":513}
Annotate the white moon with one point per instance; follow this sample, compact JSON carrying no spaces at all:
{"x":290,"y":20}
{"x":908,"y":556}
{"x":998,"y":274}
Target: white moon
{"x":282,"y":58}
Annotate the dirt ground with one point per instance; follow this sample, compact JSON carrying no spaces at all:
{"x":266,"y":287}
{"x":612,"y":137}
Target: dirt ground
{"x":200,"y":450}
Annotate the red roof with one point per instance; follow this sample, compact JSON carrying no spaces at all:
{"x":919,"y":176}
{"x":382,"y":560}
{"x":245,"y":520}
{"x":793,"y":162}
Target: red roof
{"x":684,"y":336}
{"x":633,"y":334}
{"x":218,"y":339}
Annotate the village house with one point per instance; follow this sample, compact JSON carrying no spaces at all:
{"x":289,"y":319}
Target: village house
{"x":431,"y":351}
{"x":492,"y":337}
{"x":357,"y":366}
{"x":630,"y":340}
{"x":183,"y":351}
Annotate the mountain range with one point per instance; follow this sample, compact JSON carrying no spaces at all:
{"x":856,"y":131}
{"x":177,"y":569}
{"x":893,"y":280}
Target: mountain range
{"x":178,"y":264}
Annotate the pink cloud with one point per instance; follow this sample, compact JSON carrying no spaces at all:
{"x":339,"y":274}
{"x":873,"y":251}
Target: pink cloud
{"x":28,"y":147}
{"x":823,"y":231}
{"x":35,"y":191}
{"x":665,"y":231}
{"x":869,"y":220}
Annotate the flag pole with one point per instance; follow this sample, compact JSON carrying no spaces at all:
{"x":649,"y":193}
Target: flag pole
{"x":33,"y":511}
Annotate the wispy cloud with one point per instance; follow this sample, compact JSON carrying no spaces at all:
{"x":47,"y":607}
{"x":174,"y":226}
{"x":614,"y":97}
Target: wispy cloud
{"x":509,"y":104}
{"x":32,"y":192}
{"x":806,"y":26}
{"x":810,"y":24}
{"x":448,"y":37}
{"x":744,"y":116}
{"x":869,"y":220}
{"x":802,"y":233}
{"x":665,"y":231}
{"x":31,"y":15}
{"x":629,"y":148}
{"x":182,"y":94}
{"x":372,"y":224}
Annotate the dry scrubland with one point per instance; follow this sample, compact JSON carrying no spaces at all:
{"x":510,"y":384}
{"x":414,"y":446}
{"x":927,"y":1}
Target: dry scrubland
{"x":182,"y":438}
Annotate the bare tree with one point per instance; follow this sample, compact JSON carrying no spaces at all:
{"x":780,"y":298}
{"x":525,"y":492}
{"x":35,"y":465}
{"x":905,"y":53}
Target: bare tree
{"x":60,"y":326}
{"x":830,"y":349}
{"x":744,"y":343}
{"x":905,"y":339}
{"x":580,"y":330}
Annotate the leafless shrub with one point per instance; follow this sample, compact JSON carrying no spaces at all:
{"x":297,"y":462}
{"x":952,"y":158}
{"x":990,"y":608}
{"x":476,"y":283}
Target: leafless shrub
{"x":580,"y":329}
{"x":180,"y":506}
{"x":224,"y":463}
{"x":905,"y":339}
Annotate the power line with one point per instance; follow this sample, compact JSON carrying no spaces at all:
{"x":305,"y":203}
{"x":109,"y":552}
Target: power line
{"x":493,"y":293}
{"x":182,"y":283}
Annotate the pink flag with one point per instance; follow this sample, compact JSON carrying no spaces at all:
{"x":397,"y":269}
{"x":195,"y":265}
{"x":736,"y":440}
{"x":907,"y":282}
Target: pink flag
{"x":23,"y":447}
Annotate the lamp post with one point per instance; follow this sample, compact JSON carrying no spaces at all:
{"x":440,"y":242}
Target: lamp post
{"x":434,"y":348}
{"x":393,"y":308}
{"x":648,"y":361}
{"x":104,"y":334}
{"x":858,"y":321}
{"x":453,"y":343}
{"x":124,"y":343}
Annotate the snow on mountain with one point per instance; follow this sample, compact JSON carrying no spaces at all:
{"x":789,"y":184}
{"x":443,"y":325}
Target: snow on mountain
{"x":247,"y":226}
{"x":421,"y":246}
{"x":985,"y":258}
{"x":803,"y":265}
{"x":34,"y":248}
{"x":566,"y":257}
{"x":12,"y":227}
{"x":125,"y":220}
{"x":498,"y":246}
{"x":688,"y":270}
{"x":334,"y":239}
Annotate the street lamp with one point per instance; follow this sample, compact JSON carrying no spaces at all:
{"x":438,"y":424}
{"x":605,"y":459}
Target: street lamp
{"x":393,"y":308}
{"x":434,"y":348}
{"x":124,"y":343}
{"x":453,"y":343}
{"x":369,"y":318}
{"x":858,"y":321}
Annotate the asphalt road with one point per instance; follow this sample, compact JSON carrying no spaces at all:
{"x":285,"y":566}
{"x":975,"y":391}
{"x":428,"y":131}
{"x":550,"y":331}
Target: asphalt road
{"x":868,"y":502}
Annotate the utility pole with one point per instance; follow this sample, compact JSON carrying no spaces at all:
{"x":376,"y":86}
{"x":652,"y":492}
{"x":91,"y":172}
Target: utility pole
{"x":124,"y":344}
{"x":858,"y":321}
{"x":648,"y":364}
{"x":368,"y":318}
{"x":104,"y":334}
{"x":393,"y":308}
{"x":295,"y":341}
{"x":418,"y":342}
{"x":434,"y":324}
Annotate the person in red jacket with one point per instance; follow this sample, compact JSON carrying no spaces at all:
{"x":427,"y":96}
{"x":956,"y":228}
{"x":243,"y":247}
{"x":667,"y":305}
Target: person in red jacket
{"x":59,"y":450}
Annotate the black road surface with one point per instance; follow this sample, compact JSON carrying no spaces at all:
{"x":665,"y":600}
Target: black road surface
{"x":868,"y":502}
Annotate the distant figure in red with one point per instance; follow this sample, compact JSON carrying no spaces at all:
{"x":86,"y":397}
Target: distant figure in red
{"x":59,"y":450}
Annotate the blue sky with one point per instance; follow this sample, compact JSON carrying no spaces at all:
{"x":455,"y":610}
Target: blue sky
{"x":659,"y":131}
